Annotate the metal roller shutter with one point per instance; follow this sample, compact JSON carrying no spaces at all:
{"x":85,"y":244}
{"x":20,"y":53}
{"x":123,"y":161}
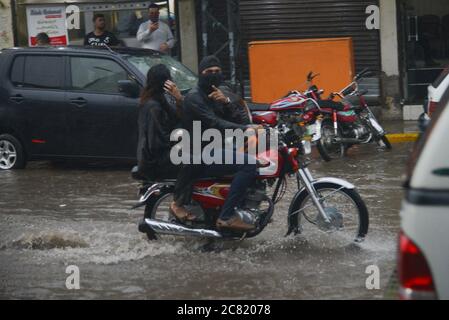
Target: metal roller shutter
{"x":302,"y":19}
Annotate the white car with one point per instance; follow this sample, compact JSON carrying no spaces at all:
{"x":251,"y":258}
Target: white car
{"x":435,"y":92}
{"x":423,"y":260}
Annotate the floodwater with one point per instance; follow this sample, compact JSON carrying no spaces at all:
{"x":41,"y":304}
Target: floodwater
{"x":53,"y":216}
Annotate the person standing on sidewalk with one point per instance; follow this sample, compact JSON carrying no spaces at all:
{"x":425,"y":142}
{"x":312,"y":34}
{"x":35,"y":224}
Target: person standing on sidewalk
{"x":155,"y":34}
{"x":100,"y":36}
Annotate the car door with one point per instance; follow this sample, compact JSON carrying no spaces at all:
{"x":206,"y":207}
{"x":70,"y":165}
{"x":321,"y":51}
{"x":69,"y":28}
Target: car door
{"x":102,"y":122}
{"x":36,"y":100}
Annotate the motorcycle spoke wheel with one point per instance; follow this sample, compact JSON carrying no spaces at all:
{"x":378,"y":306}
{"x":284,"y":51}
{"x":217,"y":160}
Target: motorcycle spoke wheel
{"x":345,"y":202}
{"x":327,"y":146}
{"x":161,"y":210}
{"x":383,"y":142}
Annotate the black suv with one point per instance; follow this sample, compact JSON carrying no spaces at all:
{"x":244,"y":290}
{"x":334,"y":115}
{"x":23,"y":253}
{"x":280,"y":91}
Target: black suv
{"x":74,"y":102}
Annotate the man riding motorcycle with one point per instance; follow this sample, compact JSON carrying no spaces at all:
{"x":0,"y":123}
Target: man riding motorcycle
{"x":207,"y":104}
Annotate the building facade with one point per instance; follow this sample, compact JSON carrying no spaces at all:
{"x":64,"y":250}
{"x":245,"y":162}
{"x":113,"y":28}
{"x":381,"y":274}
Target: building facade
{"x":407,"y":41}
{"x":6,"y":23}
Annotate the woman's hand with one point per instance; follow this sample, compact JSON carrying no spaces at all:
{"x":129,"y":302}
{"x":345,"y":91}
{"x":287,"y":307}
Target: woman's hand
{"x":171,"y":88}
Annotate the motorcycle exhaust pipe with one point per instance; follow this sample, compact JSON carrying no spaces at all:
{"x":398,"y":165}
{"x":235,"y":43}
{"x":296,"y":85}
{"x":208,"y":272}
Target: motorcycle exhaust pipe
{"x":161,"y":227}
{"x":347,"y":140}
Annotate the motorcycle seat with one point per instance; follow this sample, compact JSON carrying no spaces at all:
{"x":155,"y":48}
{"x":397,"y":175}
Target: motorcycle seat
{"x":258,"y":106}
{"x":169,"y":181}
{"x":331,"y":105}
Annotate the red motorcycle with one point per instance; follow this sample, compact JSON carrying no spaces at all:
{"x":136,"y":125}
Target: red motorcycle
{"x":330,"y":204}
{"x":345,"y":123}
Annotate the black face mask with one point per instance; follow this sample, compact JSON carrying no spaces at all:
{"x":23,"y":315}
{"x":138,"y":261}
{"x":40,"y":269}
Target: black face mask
{"x":206,"y":81}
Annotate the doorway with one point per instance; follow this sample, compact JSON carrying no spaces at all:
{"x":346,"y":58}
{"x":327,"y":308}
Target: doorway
{"x":424,"y":30}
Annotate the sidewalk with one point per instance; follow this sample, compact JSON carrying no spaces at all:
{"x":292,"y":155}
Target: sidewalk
{"x":401,"y":131}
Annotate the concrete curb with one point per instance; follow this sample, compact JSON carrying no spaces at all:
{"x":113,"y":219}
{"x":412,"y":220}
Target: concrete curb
{"x":402,"y":137}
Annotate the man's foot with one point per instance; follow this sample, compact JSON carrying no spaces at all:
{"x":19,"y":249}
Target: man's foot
{"x":235,"y":223}
{"x":181,"y":213}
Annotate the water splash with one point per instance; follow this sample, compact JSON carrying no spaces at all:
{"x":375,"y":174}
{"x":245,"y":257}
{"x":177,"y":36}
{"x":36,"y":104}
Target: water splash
{"x":47,"y":241}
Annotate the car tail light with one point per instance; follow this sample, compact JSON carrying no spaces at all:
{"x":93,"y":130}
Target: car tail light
{"x":432,"y":107}
{"x":415,"y":277}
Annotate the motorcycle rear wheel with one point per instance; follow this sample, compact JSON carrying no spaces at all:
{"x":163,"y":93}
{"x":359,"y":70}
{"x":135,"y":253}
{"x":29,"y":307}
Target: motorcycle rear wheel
{"x":152,"y":212}
{"x":327,"y":147}
{"x":158,"y":208}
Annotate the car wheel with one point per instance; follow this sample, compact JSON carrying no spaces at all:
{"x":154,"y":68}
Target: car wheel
{"x":12,"y":155}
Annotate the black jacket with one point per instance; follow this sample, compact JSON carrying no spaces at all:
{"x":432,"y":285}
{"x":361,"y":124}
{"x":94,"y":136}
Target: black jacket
{"x":236,"y":111}
{"x":156,"y":121}
{"x":198,"y":107}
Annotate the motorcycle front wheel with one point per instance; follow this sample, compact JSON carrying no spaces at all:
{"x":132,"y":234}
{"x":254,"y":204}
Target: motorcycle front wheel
{"x":384,"y":142}
{"x":345,"y":207}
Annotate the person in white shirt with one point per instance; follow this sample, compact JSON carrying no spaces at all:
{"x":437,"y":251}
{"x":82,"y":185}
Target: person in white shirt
{"x":155,"y":34}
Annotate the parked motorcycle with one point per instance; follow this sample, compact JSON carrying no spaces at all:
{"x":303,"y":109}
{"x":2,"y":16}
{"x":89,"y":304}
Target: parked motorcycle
{"x":343,"y":123}
{"x":330,"y":204}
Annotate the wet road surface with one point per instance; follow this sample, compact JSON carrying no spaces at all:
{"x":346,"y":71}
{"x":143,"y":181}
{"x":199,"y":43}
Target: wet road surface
{"x":52,"y":216}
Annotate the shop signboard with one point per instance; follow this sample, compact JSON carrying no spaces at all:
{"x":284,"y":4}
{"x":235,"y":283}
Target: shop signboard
{"x":48,"y":19}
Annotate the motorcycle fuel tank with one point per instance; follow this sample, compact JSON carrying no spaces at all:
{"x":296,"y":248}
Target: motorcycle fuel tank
{"x":265,"y":117}
{"x":289,"y":103}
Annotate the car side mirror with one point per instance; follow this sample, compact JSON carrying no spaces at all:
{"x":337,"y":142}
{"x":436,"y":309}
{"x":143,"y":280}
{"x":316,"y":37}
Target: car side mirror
{"x":128,"y":88}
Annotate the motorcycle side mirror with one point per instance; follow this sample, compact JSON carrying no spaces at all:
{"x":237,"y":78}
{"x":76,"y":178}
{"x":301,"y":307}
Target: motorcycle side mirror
{"x":312,"y":76}
{"x":309,"y":76}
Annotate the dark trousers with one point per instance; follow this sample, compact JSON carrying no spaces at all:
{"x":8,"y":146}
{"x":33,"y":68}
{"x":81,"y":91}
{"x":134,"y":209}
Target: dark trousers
{"x":243,"y":176}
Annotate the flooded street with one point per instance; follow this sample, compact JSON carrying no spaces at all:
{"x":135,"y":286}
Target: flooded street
{"x":53,"y":216}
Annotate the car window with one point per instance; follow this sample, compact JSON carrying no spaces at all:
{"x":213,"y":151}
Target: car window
{"x":17,"y":70}
{"x":441,"y":78}
{"x":96,"y":74}
{"x":182,"y":76}
{"x":41,"y":71}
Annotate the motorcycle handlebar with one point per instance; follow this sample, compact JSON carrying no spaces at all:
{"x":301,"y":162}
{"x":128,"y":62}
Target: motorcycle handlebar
{"x":361,"y":74}
{"x":364,"y":73}
{"x":363,"y":92}
{"x":347,"y":91}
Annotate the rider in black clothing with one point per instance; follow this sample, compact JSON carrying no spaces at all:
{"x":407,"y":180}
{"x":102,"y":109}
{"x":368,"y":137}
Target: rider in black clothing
{"x":157,"y":119}
{"x":207,"y":103}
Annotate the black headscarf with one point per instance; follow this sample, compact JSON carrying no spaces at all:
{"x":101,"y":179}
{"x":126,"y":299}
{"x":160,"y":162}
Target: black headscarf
{"x":154,"y":88}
